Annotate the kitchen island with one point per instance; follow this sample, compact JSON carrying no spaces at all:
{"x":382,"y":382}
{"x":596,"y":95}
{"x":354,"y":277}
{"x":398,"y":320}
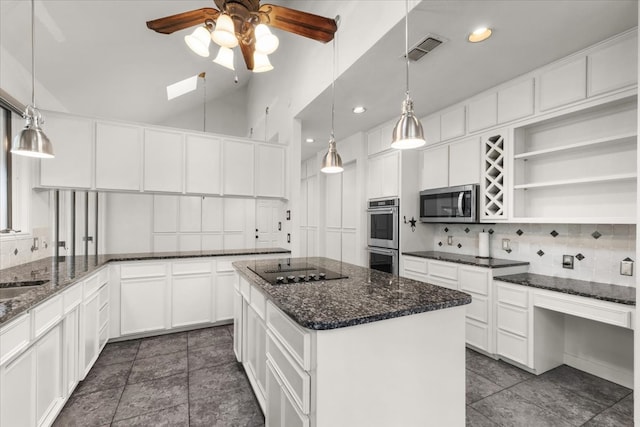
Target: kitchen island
{"x":364,"y":349}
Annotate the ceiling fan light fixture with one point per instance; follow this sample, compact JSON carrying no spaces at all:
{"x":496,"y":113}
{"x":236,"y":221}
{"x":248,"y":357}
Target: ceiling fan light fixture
{"x":407,"y":133}
{"x":266,"y":42}
{"x":225,"y":33}
{"x":199,"y":41}
{"x":225,"y":58}
{"x":332,"y":162}
{"x":261,"y":63}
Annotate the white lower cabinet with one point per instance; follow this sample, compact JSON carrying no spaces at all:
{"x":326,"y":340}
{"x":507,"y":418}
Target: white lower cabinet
{"x":256,"y":353}
{"x":17,"y":387}
{"x":191,"y":293}
{"x":238,"y":324}
{"x":71,"y":349}
{"x":281,"y":410}
{"x":49,"y":379}
{"x":512,"y":328}
{"x":143,"y":304}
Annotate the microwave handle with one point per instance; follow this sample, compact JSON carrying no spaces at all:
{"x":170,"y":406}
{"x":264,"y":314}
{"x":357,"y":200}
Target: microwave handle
{"x":461,"y":204}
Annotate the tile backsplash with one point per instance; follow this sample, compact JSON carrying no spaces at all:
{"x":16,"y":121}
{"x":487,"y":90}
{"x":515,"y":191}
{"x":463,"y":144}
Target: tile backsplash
{"x":597,"y":249}
{"x":16,"y":249}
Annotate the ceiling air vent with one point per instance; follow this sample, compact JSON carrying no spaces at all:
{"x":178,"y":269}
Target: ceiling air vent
{"x":429,"y":43}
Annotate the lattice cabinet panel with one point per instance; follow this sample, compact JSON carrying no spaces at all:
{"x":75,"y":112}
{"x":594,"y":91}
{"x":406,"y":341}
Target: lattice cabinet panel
{"x":493,"y":203}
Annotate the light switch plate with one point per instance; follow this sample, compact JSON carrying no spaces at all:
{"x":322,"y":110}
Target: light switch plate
{"x":449,"y":240}
{"x":506,"y":244}
{"x":567,"y":261}
{"x":626,"y":267}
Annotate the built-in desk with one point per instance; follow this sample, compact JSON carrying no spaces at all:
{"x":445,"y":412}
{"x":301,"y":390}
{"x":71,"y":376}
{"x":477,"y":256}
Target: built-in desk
{"x":543,"y":322}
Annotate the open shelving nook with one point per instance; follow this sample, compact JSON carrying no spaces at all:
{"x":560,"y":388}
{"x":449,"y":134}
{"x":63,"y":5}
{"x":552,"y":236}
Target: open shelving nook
{"x":579,"y":167}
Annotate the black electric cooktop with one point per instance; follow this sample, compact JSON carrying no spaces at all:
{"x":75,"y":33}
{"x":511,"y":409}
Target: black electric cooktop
{"x":285,"y":271}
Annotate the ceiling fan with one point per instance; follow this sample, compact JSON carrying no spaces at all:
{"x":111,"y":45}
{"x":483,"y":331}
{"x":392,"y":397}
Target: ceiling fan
{"x":240,"y":29}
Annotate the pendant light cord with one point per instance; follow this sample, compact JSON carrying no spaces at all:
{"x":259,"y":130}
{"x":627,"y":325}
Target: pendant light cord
{"x":333,"y":89}
{"x":33,"y":54}
{"x":204,"y":104}
{"x":406,"y":42}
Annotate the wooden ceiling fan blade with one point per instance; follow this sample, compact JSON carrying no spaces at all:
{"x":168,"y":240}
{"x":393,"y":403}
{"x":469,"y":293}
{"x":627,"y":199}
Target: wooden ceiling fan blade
{"x":247,"y":53}
{"x":301,"y":23}
{"x":173,"y":23}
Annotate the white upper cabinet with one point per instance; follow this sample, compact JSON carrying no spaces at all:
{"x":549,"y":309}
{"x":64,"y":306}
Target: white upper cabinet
{"x":515,"y":101}
{"x":464,"y":162}
{"x":270,"y":171}
{"x":563,"y":84}
{"x":203,"y":165}
{"x":452,"y":123}
{"x":614,"y":66}
{"x":431,"y":128}
{"x":379,"y":139}
{"x":72,"y":140}
{"x":118,"y":156}
{"x":163,"y":160}
{"x":435,"y":168}
{"x":383,"y":176}
{"x":238,"y":167}
{"x":483,"y":112}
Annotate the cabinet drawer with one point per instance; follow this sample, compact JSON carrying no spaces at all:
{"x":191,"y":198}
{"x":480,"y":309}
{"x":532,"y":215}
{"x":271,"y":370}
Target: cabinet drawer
{"x":472,"y":280}
{"x":600,"y":311}
{"x":203,"y":267}
{"x":103,"y":296}
{"x":443,"y":270}
{"x":416,"y":276}
{"x":514,"y":320}
{"x":291,"y":336}
{"x":91,"y":285}
{"x":134,"y":271}
{"x":477,"y":334}
{"x":416,"y":265}
{"x":72,"y":297}
{"x":14,"y":337}
{"x":103,"y":317}
{"x":224,"y":265}
{"x":449,"y":284}
{"x":258,"y":302}
{"x":296,"y":381}
{"x":512,"y":347}
{"x":478,"y":309}
{"x":510,"y":294}
{"x":46,"y":315}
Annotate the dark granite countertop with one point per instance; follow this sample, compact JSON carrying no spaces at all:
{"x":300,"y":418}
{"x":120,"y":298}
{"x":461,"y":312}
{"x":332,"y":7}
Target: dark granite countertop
{"x":365,"y":296}
{"x":602,"y":291}
{"x":467,"y":259}
{"x":66,"y":272}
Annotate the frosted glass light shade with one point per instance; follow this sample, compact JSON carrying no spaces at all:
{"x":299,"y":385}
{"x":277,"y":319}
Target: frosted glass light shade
{"x":407,"y":133}
{"x":266,"y":42}
{"x":199,"y":41}
{"x":225,"y":32}
{"x":261,"y":62}
{"x":225,"y":58}
{"x":31,"y":141}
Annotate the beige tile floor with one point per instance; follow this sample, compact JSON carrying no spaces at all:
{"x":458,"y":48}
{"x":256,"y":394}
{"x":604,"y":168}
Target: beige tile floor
{"x":192,"y":379}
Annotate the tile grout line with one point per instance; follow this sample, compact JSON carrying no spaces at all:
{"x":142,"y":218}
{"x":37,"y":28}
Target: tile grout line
{"x":125,"y":384}
{"x":188,"y":385}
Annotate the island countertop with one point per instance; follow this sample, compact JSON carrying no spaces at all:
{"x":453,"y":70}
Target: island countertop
{"x":67,"y":271}
{"x":364,"y":296}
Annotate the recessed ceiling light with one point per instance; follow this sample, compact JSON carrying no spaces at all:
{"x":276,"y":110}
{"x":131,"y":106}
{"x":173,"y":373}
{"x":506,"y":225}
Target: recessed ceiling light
{"x":359,"y":109}
{"x":479,"y":35}
{"x":310,"y":140}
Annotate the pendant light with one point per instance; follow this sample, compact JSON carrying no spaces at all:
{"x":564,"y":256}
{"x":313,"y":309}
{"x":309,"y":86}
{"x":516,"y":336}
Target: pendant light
{"x":31,"y":141}
{"x":332,"y":162}
{"x":407,"y":133}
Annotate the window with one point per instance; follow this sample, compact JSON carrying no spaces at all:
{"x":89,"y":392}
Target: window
{"x":5,"y":171}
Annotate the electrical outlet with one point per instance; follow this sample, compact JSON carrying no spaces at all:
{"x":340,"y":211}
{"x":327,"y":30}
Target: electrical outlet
{"x":626,"y":267}
{"x":450,"y":240}
{"x":506,"y":244}
{"x":567,"y":261}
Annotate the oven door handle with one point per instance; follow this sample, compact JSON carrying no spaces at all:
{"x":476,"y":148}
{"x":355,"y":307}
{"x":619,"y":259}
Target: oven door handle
{"x":381,"y":251}
{"x":460,"y":204}
{"x":381,"y":211}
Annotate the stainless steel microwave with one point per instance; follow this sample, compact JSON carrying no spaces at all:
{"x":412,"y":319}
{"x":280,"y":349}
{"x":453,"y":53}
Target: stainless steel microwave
{"x":449,"y":204}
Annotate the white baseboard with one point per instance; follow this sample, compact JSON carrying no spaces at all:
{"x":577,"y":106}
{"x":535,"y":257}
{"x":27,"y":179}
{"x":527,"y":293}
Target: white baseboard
{"x":616,"y":374}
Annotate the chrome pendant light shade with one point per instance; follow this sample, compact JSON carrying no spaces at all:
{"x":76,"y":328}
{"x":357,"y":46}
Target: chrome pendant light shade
{"x":31,"y":141}
{"x":332,"y":162}
{"x":407,"y":133}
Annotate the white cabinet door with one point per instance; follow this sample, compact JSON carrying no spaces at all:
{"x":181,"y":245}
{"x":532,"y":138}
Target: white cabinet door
{"x":431,"y":128}
{"x":223,"y":299}
{"x":435,"y":168}
{"x":383,"y":175}
{"x":563,"y":84}
{"x":483,"y":112}
{"x":374,"y":178}
{"x":163,"y":163}
{"x":71,"y":349}
{"x":190,"y":214}
{"x":238,"y":167}
{"x":49,"y":384}
{"x":515,"y":101}
{"x":118,"y":156}
{"x":212,"y":214}
{"x":89,"y":334}
{"x":191,"y":300}
{"x":203,"y":165}
{"x":165,"y":214}
{"x":256,"y":350}
{"x":614,"y":66}
{"x":237,"y":324}
{"x":72,"y":140}
{"x":17,"y":391}
{"x":270,"y":171}
{"x":464,"y":162}
{"x":374,"y":141}
{"x":452,"y":123}
{"x":143,"y":305}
